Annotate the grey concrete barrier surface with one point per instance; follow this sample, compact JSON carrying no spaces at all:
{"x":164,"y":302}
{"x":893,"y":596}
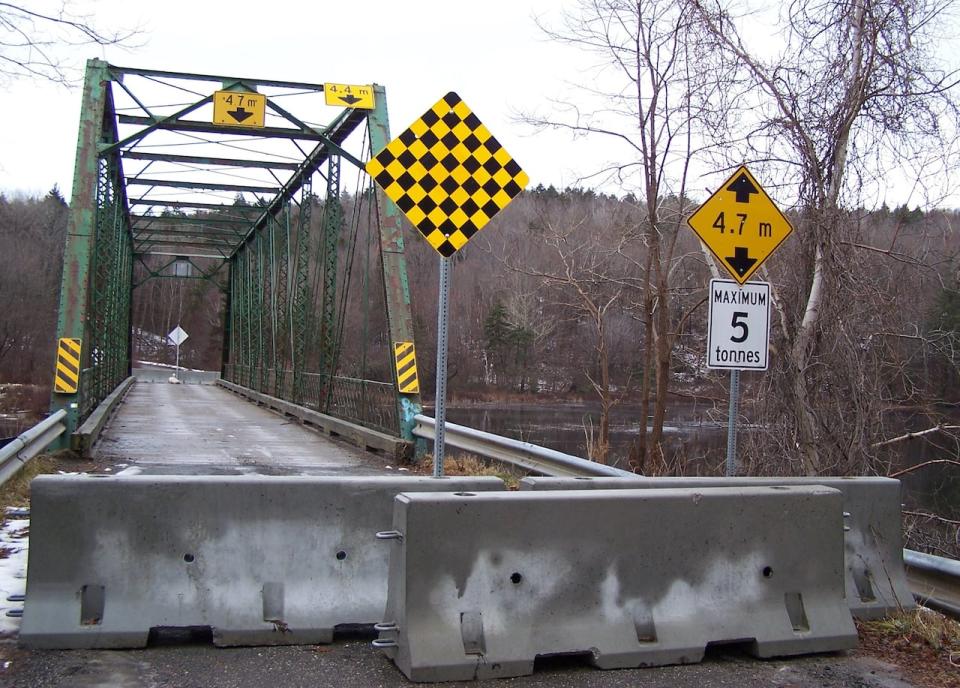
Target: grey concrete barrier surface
{"x":876,"y":582}
{"x":261,"y":560}
{"x":481,"y":584}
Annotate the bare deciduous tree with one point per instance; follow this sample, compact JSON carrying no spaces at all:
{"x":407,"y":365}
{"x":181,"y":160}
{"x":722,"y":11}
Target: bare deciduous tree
{"x":33,"y":35}
{"x":651,"y":97}
{"x":855,"y":87}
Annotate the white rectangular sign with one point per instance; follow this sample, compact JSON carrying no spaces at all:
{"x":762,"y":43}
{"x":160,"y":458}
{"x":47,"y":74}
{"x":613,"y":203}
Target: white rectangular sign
{"x":178,"y":336}
{"x":739,"y":325}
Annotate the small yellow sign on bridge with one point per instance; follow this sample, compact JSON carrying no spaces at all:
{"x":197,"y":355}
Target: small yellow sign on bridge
{"x":349,"y":95}
{"x":239,"y":108}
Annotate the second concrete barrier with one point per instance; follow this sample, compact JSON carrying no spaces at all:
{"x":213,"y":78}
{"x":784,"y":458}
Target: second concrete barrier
{"x":876,"y":583}
{"x":482,"y":583}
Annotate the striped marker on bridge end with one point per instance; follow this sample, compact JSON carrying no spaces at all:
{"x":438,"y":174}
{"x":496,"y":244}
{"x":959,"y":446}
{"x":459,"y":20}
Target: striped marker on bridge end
{"x":405,"y":355}
{"x":67,"y":376}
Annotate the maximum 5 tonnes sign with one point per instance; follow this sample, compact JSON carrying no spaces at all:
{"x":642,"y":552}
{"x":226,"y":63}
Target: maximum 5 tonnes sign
{"x":739,"y":325}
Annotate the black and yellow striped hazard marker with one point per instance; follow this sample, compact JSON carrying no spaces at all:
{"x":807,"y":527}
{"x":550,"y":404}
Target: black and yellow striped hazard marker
{"x":405,"y":355}
{"x":67,"y":377}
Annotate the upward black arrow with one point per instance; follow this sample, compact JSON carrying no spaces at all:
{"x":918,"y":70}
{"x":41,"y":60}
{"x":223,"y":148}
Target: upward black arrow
{"x":743,"y":187}
{"x":740,"y":261}
{"x":239,"y":114}
{"x":350,"y":99}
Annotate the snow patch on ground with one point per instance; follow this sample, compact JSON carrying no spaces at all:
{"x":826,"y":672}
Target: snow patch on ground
{"x":170,"y":366}
{"x":14,"y":545}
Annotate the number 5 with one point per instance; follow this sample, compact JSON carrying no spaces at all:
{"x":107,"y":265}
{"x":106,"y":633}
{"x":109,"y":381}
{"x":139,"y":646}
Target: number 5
{"x":739,"y":320}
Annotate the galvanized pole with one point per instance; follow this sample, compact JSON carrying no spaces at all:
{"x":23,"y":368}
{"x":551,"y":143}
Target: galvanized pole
{"x":732,"y":423}
{"x":443,"y":307}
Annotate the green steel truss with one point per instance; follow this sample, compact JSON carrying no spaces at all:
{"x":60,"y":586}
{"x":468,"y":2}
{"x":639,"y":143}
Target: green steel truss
{"x":157,"y":182}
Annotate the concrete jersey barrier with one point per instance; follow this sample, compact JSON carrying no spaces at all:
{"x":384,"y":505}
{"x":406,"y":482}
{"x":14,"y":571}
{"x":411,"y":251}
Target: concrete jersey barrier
{"x":876,"y":582}
{"x":260,"y":560}
{"x":481,"y":584}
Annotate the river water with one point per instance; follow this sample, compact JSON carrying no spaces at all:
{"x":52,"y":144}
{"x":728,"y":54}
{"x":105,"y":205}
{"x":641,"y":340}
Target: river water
{"x":700,"y":432}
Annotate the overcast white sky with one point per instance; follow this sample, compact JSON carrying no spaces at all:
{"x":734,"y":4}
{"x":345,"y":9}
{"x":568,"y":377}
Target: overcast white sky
{"x":492,"y":53}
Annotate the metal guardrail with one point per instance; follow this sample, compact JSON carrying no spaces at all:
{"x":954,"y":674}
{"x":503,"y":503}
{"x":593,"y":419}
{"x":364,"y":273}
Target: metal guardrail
{"x":935,"y":581}
{"x":30,"y":443}
{"x":528,"y":456}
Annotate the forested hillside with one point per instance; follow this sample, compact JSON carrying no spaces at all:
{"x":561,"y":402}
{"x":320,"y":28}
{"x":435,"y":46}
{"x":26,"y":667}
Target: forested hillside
{"x":550,"y":300}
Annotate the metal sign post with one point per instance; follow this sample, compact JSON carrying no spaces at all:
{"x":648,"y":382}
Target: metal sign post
{"x":449,"y":176}
{"x":177,"y":337}
{"x":443,"y":321}
{"x":742,"y":227}
{"x":738,"y":338}
{"x":731,"y":469}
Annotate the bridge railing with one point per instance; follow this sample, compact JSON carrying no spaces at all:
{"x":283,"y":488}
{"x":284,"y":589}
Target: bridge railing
{"x":369,"y":403}
{"x":530,"y":457}
{"x":15,"y":455}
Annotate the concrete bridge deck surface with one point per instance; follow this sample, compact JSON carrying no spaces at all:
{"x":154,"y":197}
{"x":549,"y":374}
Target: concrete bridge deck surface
{"x":203,"y":429}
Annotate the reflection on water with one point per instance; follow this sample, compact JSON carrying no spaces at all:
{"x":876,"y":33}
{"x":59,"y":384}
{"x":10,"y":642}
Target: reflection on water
{"x":936,"y":487}
{"x":699,"y":432}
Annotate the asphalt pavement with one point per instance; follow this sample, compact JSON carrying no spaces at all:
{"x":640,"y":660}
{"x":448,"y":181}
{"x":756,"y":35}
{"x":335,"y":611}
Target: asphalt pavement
{"x":353,"y":662}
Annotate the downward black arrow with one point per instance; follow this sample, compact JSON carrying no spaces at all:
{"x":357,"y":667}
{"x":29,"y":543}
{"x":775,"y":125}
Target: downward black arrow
{"x":350,"y":99}
{"x":740,"y":261}
{"x":743,"y":188}
{"x":239,"y":114}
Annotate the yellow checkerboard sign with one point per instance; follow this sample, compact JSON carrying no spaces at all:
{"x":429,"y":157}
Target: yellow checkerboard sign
{"x":448,"y":174}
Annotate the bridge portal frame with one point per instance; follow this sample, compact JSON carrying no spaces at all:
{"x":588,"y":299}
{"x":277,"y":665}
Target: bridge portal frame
{"x":105,"y":239}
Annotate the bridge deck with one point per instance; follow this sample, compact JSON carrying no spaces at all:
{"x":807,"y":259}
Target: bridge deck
{"x":203,"y":429}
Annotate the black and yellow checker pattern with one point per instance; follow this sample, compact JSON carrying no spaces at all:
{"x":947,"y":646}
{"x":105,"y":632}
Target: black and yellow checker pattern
{"x":448,"y":174}
{"x":66,"y":379}
{"x":405,"y":355}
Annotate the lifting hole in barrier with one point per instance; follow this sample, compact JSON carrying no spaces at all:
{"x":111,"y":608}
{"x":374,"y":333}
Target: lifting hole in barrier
{"x":341,"y":555}
{"x":515,"y":578}
{"x":464,"y":494}
{"x":161,"y":636}
{"x":188,"y":558}
{"x":767,"y":572}
{"x":559,"y":661}
{"x":796,"y":611}
{"x":92,"y":599}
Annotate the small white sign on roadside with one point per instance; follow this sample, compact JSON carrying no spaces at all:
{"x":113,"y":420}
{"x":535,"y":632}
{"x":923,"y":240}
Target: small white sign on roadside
{"x":739,"y":325}
{"x":178,"y":336}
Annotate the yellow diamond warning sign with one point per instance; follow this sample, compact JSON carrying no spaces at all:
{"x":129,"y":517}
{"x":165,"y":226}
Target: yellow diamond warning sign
{"x":448,"y":174}
{"x":741,"y":225}
{"x":239,"y":108}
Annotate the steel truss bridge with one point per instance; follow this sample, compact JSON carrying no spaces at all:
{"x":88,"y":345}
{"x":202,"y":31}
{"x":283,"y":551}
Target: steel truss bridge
{"x":313,"y":280}
{"x":162,"y":191}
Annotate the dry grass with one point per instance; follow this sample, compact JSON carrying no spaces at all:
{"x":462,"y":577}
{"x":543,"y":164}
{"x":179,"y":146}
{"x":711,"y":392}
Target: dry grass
{"x":924,"y":643}
{"x":471,"y":465}
{"x":16,"y":492}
